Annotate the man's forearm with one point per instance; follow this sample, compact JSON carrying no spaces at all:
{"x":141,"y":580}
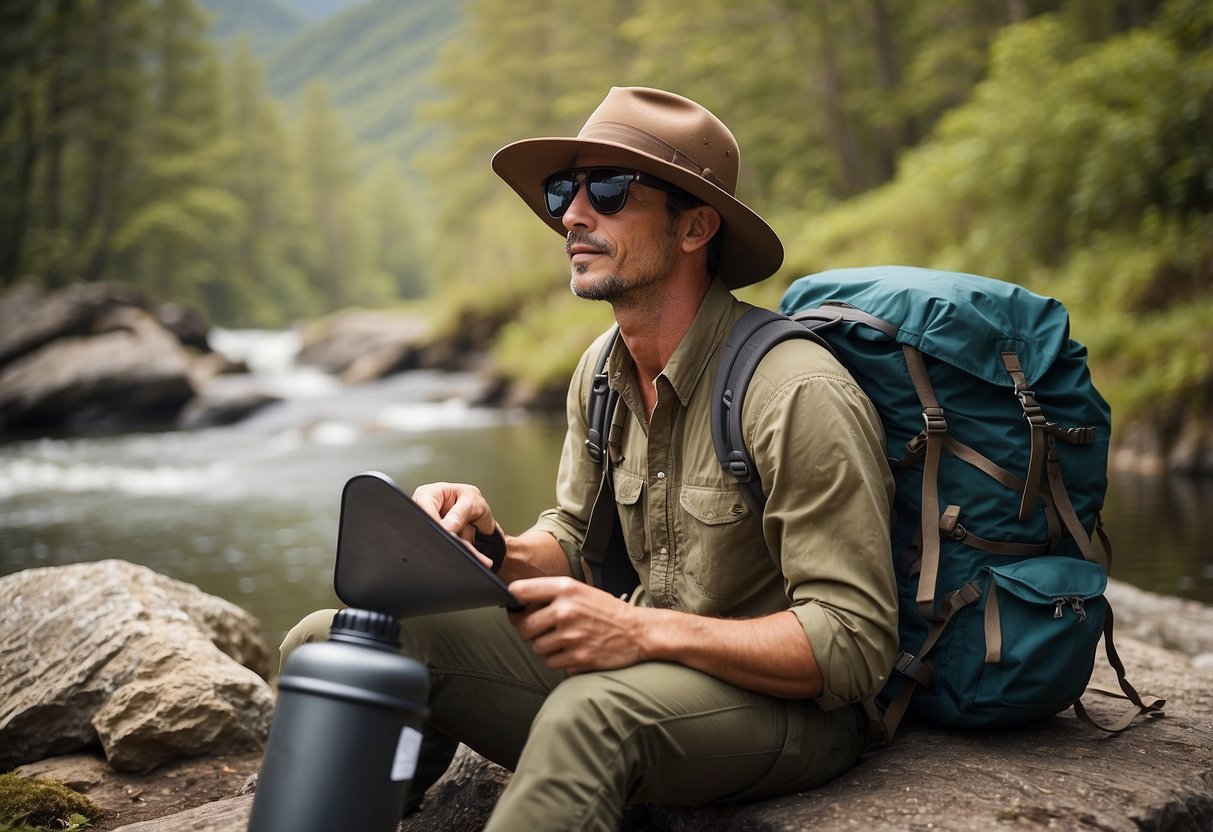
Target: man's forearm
{"x":533,"y":553}
{"x":769,"y":655}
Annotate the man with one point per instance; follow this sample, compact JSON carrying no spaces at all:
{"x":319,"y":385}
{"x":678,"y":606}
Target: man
{"x":732,"y":671}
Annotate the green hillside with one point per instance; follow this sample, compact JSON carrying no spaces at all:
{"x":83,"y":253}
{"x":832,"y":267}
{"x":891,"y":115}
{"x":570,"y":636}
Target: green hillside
{"x":268,"y":24}
{"x":375,"y":59}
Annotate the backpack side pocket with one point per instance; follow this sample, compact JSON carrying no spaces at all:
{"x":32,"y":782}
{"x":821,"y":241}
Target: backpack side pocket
{"x":1043,"y":619}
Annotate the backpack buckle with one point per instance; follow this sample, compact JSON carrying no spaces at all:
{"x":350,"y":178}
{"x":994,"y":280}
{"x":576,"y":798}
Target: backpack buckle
{"x":739,"y":467}
{"x":909,"y":665}
{"x":934,"y":418}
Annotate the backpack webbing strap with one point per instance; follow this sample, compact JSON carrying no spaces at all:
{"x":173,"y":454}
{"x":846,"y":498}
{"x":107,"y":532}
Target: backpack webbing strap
{"x":949,"y":524}
{"x":1057,"y":488}
{"x":603,"y":550}
{"x":936,"y":431}
{"x":1140,"y":704}
{"x":1037,"y":424}
{"x":916,"y":669}
{"x":752,"y":337}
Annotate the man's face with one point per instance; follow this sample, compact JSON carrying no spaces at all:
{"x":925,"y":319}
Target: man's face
{"x":612,"y":255}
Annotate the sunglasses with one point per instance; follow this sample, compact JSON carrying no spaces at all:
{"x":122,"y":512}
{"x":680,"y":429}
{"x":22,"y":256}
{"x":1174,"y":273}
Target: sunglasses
{"x":607,"y":188}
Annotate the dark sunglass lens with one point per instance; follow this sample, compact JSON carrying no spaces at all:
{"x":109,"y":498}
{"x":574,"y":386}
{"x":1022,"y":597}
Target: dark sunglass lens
{"x":608,"y":190}
{"x":559,"y":191}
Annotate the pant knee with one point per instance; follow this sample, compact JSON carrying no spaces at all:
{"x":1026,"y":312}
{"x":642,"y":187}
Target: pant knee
{"x":314,"y":627}
{"x":593,"y":709}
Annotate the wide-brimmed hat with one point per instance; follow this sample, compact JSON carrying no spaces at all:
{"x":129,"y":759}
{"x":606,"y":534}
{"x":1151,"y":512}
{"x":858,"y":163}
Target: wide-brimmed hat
{"x":672,"y":138}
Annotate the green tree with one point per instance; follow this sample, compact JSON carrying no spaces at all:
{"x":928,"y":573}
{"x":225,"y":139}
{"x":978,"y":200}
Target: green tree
{"x":392,"y":206}
{"x":180,"y":219}
{"x":338,"y":267}
{"x":71,"y":96}
{"x":265,"y":283}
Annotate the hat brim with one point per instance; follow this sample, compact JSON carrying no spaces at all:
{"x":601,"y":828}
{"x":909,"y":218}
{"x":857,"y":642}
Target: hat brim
{"x":750,"y":249}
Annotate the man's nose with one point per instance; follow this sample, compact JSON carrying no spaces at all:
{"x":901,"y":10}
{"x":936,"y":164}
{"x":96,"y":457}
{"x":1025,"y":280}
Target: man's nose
{"x":579,"y":213}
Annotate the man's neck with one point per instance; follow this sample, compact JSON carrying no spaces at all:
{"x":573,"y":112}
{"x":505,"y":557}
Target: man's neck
{"x":652,"y":326}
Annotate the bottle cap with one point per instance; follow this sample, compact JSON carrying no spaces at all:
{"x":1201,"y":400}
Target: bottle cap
{"x":365,"y":627}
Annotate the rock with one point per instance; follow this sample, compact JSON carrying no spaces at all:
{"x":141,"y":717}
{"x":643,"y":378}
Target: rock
{"x":112,"y":653}
{"x":1164,"y":620}
{"x":132,"y":374}
{"x":230,"y":815}
{"x":224,"y":401}
{"x":1058,"y":773}
{"x":187,"y":323}
{"x":463,"y":798}
{"x":30,"y":318}
{"x":361,"y":345}
{"x":127,"y":798}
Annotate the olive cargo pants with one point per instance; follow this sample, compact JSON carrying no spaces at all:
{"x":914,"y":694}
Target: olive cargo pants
{"x":584,"y":747}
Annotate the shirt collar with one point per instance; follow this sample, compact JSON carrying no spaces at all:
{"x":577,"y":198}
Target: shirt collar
{"x":716,"y":316}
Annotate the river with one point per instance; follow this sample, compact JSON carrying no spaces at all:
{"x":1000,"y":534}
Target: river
{"x":250,"y":512}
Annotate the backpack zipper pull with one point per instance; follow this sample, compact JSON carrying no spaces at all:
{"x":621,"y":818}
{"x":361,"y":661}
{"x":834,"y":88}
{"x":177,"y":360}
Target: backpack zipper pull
{"x":1058,"y":603}
{"x":1076,"y":604}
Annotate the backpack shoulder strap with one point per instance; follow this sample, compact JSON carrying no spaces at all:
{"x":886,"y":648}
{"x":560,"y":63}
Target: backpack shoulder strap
{"x":751,"y":338}
{"x":600,"y":404}
{"x":602,"y":551}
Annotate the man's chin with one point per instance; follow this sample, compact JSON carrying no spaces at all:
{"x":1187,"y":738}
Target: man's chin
{"x":603,"y":288}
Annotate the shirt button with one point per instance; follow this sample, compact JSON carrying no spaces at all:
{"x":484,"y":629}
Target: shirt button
{"x":664,"y":550}
{"x":661,"y":475}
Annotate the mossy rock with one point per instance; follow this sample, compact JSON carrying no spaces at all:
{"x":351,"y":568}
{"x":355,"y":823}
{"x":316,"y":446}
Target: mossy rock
{"x":30,"y":805}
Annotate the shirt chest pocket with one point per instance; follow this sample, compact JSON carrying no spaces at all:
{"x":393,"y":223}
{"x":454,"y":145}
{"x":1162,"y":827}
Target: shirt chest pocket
{"x":721,"y":543}
{"x":628,"y":488}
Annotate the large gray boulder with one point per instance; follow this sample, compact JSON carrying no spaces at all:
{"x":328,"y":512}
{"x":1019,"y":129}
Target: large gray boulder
{"x":31,"y":318}
{"x":111,"y":653}
{"x":91,"y":358}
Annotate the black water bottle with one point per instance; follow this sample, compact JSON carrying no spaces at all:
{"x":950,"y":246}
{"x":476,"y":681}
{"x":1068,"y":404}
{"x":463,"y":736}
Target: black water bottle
{"x":346,"y":733}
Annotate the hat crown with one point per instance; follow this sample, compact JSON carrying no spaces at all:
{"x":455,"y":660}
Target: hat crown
{"x":668,"y":127}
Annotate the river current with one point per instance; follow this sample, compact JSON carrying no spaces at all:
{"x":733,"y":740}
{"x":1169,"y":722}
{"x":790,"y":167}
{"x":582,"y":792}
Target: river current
{"x":250,"y":512}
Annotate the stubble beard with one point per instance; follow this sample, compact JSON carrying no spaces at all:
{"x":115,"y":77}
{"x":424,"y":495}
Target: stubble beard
{"x":613,"y":287}
{"x":609,"y":287}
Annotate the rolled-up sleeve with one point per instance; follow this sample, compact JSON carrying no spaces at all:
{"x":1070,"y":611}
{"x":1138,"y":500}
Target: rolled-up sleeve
{"x":819,"y":448}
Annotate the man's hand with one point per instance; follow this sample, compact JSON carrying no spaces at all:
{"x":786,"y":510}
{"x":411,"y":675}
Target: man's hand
{"x":460,"y":508}
{"x":575,"y":627}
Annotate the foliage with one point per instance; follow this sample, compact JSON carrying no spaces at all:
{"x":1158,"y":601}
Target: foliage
{"x":1059,"y":143}
{"x":29,"y":804}
{"x":131,"y":151}
{"x":1083,"y":171}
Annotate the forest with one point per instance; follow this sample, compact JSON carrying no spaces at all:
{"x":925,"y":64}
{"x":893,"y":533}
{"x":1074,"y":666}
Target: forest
{"x":1066,"y":145}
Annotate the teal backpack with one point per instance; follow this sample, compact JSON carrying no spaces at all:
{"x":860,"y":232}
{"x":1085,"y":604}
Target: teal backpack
{"x":998,"y":442}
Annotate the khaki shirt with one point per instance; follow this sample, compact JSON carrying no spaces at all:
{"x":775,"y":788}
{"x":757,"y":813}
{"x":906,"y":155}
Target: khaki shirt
{"x":821,"y":547}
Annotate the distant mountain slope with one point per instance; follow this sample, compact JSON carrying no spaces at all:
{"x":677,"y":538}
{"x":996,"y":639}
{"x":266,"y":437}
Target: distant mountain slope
{"x":269,"y":24}
{"x":375,"y":59}
{"x":321,"y":9}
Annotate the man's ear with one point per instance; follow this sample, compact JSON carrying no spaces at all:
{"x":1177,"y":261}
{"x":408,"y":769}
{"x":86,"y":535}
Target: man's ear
{"x":704,"y":223}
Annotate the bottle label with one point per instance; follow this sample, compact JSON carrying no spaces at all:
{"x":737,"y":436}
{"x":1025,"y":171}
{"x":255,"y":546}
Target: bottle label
{"x":408,"y":748}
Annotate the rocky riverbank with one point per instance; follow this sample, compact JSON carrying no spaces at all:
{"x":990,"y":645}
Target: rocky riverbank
{"x":152,"y":699}
{"x":102,"y":358}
